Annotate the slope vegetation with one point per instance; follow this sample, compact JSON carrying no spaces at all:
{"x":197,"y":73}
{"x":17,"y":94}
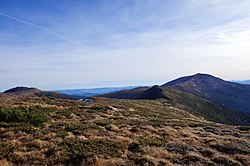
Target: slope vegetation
{"x":231,"y":95}
{"x":202,"y":95}
{"x":126,"y":94}
{"x":114,"y":132}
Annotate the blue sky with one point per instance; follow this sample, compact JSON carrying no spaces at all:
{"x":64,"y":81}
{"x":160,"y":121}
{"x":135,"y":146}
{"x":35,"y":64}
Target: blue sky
{"x":93,"y":43}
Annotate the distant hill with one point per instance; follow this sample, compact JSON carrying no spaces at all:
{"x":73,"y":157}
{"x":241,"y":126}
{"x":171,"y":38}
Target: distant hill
{"x":232,"y":95}
{"x":201,"y":95}
{"x":126,"y":94}
{"x":22,"y":90}
{"x":155,"y":92}
{"x":26,"y":91}
{"x":93,"y":91}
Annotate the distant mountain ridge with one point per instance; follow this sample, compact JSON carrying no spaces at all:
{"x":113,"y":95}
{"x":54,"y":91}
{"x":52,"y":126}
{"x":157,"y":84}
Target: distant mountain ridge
{"x":202,"y":95}
{"x":27,"y":91}
{"x":243,"y":82}
{"x":93,"y":91}
{"x":126,"y":94}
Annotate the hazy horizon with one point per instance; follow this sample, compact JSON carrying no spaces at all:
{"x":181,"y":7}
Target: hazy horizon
{"x":74,"y":44}
{"x":96,"y":85}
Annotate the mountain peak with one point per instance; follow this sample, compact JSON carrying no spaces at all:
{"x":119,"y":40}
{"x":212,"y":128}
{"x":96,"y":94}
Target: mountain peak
{"x":21,"y":89}
{"x":232,"y":95}
{"x":204,"y":76}
{"x":196,"y":77}
{"x":153,"y":93}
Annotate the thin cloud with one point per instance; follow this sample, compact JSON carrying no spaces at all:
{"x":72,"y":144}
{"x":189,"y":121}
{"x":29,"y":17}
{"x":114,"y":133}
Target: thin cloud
{"x":41,"y":28}
{"x":168,"y":41}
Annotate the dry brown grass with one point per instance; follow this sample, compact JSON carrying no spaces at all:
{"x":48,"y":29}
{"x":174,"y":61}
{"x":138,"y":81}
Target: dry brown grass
{"x":165,"y":135}
{"x":4,"y":162}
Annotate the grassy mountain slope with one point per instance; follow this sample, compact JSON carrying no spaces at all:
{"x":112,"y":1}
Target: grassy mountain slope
{"x":114,"y":132}
{"x":207,"y":109}
{"x":232,"y":95}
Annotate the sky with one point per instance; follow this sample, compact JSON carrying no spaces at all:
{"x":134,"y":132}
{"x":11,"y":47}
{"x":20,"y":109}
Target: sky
{"x":68,"y":44}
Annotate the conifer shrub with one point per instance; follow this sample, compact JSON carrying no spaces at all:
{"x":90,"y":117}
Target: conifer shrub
{"x":28,"y":115}
{"x":80,"y":150}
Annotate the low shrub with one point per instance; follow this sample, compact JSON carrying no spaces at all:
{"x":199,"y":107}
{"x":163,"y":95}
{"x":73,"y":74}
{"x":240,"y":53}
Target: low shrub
{"x":191,"y":158}
{"x":206,"y":152}
{"x":153,"y":141}
{"x":232,"y":148}
{"x":221,"y":160}
{"x":139,"y":160}
{"x":103,"y":122}
{"x":7,"y":150}
{"x":97,"y":108}
{"x":180,"y":148}
{"x":79,"y":150}
{"x":134,"y":147}
{"x":79,"y":128}
{"x":23,"y":115}
{"x":156,"y":122}
{"x":144,"y":161}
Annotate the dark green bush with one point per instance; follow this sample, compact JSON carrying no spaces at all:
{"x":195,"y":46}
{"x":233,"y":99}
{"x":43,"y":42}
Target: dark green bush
{"x":79,"y":128}
{"x":156,"y":122}
{"x":153,"y":141}
{"x":103,"y":122}
{"x":65,"y":113}
{"x":97,"y":108}
{"x":80,"y":150}
{"x":23,"y":115}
